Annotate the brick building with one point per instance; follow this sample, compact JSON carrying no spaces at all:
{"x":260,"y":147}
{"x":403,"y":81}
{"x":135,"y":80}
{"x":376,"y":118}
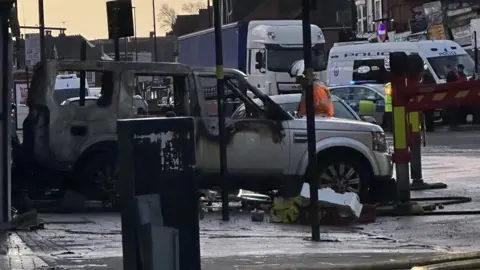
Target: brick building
{"x":418,"y":19}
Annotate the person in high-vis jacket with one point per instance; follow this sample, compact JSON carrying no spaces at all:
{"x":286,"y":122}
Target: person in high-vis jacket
{"x":387,"y":117}
{"x":321,"y":95}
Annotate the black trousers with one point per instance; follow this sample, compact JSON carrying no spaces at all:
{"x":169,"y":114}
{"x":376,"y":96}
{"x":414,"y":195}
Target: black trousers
{"x":387,"y":121}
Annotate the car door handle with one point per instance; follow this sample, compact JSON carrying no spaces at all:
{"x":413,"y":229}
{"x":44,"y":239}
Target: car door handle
{"x":78,"y":130}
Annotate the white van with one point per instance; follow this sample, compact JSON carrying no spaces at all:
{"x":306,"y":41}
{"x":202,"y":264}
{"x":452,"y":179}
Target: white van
{"x":359,"y":63}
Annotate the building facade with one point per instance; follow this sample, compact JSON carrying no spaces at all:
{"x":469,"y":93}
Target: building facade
{"x":418,"y":19}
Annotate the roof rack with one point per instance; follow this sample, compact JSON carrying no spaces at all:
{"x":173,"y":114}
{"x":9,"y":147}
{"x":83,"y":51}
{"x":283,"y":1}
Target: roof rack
{"x":337,"y":44}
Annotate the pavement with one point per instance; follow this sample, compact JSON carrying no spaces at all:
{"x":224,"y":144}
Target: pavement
{"x":93,"y":241}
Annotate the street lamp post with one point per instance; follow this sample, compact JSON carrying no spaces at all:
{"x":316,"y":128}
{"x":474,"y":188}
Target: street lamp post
{"x":154,"y":32}
{"x":312,"y":152}
{"x":135,"y":32}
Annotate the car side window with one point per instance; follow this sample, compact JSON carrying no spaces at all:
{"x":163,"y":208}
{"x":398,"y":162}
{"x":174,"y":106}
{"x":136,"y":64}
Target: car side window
{"x":235,"y":98}
{"x":341,"y":92}
{"x":360,"y":93}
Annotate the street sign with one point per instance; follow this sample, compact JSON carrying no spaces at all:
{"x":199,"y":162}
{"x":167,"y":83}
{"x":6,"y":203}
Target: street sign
{"x":32,"y":49}
{"x":382,"y":32}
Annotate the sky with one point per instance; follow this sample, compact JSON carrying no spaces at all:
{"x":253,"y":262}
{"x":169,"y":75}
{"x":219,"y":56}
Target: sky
{"x":88,"y":17}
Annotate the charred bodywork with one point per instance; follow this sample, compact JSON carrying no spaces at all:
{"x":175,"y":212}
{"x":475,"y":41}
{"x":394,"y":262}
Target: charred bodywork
{"x":265,"y":150}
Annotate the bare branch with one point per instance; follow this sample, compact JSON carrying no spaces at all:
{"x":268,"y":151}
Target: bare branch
{"x":192,"y":6}
{"x":167,"y":17}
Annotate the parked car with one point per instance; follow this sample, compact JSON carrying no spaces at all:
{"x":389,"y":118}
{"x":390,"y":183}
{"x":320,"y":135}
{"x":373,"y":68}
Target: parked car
{"x":290,"y":102}
{"x":353,"y":94}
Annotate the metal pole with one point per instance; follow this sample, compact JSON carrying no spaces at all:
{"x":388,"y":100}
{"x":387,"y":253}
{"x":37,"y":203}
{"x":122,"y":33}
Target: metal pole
{"x":135,"y":30}
{"x":312,"y":152}
{"x":116,"y":39}
{"x":220,"y":104}
{"x":209,"y":14}
{"x":83,"y":57}
{"x":28,"y":78}
{"x":401,"y":156}
{"x":41,"y":24}
{"x":125,"y":39}
{"x":415,"y":140}
{"x":5,"y":118}
{"x":154,"y":32}
{"x":475,"y":52}
{"x":116,"y":44}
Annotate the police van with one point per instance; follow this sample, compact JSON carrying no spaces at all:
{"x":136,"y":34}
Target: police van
{"x":360,"y":62}
{"x":368,"y":63}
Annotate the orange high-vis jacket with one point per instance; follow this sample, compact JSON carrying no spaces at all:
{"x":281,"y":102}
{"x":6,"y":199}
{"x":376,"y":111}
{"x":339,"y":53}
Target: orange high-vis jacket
{"x":322,"y":101}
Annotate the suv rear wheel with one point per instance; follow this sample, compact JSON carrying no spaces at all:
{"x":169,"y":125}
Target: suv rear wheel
{"x":97,"y":178}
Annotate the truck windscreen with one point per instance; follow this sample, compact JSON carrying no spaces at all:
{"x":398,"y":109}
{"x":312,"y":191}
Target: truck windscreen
{"x":279,"y":59}
{"x":442,"y":64}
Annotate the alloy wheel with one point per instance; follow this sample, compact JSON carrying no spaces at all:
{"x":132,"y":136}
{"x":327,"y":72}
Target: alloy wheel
{"x":341,"y":178}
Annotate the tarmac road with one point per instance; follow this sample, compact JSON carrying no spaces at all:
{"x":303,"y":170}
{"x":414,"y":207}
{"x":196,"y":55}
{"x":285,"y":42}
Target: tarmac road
{"x":451,"y":157}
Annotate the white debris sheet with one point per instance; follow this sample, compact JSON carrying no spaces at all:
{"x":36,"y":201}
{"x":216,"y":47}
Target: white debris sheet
{"x":347,"y":203}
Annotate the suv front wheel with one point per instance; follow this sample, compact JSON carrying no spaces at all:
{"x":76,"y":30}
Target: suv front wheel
{"x":344,"y":174}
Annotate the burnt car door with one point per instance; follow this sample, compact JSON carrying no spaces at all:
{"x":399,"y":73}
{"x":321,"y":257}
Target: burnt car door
{"x":256,"y":145}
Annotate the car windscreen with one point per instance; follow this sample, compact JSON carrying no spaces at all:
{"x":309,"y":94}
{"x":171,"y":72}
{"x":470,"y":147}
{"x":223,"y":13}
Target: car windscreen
{"x":339,"y":109}
{"x":442,"y":64}
{"x":279,"y":59}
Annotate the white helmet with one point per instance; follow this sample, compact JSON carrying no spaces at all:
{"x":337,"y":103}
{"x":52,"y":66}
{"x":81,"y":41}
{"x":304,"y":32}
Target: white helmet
{"x":297,"y":69}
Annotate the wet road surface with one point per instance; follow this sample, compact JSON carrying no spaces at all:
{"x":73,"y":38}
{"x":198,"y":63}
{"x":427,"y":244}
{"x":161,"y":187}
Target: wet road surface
{"x":451,"y":157}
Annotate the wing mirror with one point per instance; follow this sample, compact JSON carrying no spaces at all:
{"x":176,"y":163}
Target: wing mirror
{"x":368,"y":119}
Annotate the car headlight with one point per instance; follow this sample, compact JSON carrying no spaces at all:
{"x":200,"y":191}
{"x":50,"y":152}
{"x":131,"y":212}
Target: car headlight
{"x":379,"y":142}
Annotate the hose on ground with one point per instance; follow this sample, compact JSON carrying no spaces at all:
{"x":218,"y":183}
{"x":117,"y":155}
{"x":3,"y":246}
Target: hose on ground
{"x":456,"y":265}
{"x":428,"y":210}
{"x":451,"y":258}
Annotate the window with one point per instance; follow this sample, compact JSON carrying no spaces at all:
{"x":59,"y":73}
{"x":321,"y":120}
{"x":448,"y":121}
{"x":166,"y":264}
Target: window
{"x":441,"y":64}
{"x":161,"y":94}
{"x":340,"y":110}
{"x":67,"y":85}
{"x":378,"y":9}
{"x":342,"y":92}
{"x":360,"y":26}
{"x":235,"y":98}
{"x":370,"y":71}
{"x":280,"y":58}
{"x":76,"y":102}
{"x":362,"y":18}
{"x":362,"y":93}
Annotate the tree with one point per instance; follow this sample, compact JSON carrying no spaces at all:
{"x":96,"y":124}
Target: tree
{"x":192,"y":6}
{"x":167,"y":17}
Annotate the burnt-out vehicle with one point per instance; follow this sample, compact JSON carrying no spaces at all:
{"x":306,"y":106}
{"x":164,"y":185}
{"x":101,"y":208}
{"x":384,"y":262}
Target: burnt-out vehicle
{"x":266,"y":147}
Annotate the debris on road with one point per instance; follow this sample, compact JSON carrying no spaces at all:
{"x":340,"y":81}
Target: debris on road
{"x":258,"y":215}
{"x":335,"y":208}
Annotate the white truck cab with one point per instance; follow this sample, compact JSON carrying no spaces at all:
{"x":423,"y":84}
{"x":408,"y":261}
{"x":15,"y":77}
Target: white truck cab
{"x":363,"y":62}
{"x":272,"y":47}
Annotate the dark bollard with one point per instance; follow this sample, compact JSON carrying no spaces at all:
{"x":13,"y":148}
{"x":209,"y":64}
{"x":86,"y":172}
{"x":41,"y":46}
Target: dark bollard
{"x":157,"y":156}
